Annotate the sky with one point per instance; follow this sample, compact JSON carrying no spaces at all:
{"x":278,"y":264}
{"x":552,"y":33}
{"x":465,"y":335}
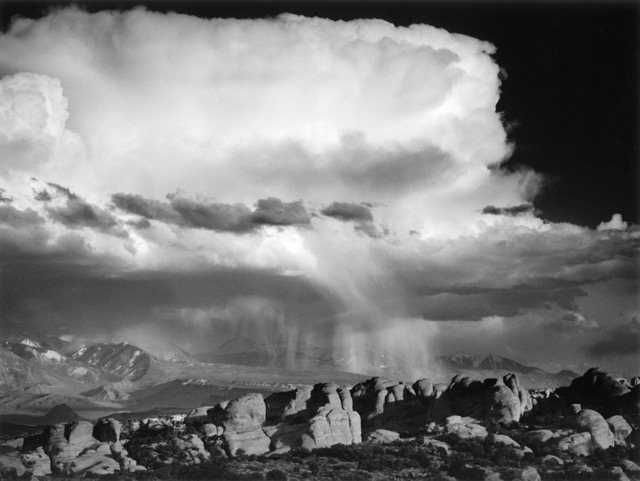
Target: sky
{"x":406,"y":178}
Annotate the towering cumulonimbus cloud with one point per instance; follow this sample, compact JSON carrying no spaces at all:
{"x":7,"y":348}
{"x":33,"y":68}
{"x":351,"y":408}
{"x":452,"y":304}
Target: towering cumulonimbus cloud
{"x":359,"y":158}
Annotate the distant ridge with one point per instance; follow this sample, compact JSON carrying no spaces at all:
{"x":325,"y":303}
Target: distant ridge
{"x":61,"y":413}
{"x":175,"y":354}
{"x":530,"y":376}
{"x":497,"y":363}
{"x":123,"y":360}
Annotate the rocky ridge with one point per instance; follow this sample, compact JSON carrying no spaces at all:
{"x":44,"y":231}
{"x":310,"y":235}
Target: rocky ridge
{"x":574,"y":422}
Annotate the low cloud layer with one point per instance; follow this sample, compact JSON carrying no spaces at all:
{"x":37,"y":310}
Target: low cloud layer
{"x":190,"y":213}
{"x":336,"y":181}
{"x":623,"y":340}
{"x":74,"y":212}
{"x":572,"y":322}
{"x":511,"y":211}
{"x":346,"y":211}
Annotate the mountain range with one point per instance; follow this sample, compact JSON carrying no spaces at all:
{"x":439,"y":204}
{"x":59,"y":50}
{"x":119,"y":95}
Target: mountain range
{"x":104,"y":378}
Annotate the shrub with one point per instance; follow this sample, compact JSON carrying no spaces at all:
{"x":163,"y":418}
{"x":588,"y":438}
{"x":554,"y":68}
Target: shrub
{"x":314,"y":467}
{"x":277,"y":475}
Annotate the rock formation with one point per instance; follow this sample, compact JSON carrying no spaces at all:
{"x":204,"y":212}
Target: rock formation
{"x":327,"y":414}
{"x":323,"y":416}
{"x":107,"y":430}
{"x":241,"y":421}
{"x":592,"y":422}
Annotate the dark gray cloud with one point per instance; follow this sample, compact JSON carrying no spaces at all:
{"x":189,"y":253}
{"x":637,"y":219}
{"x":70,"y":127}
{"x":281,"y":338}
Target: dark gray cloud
{"x":359,"y":214}
{"x":148,"y":208}
{"x":236,"y":218}
{"x":477,"y":303}
{"x":213,"y":216}
{"x":4,"y":197}
{"x":22,"y":233}
{"x":42,"y":196}
{"x":63,"y":191}
{"x":513,"y":211}
{"x":347,"y":211}
{"x":78,"y":294}
{"x":622,"y":341}
{"x":273,"y":211}
{"x":16,"y":218}
{"x":77,"y":213}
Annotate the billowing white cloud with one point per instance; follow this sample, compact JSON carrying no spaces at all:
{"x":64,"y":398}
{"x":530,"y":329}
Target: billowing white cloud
{"x":616,"y":223}
{"x":33,"y":114}
{"x":358,"y":156}
{"x":166,"y":101}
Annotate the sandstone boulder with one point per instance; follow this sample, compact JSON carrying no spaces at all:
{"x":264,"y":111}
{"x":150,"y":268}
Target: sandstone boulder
{"x":245,"y":414}
{"x":37,"y":462}
{"x":94,"y":463}
{"x":286,"y":435}
{"x":434,"y":443}
{"x":345,"y":399}
{"x":491,"y":400}
{"x":539,"y":436}
{"x":321,"y":417}
{"x":603,"y":393}
{"x":592,"y":422}
{"x":389,"y":404}
{"x":198,"y":414}
{"x":66,"y":443}
{"x":597,"y":382}
{"x":464,"y":428}
{"x":530,"y":474}
{"x":10,"y":463}
{"x":513,"y":382}
{"x":369,"y":396}
{"x":251,"y":442}
{"x":506,"y":440}
{"x":620,"y":427}
{"x":550,"y":459}
{"x":579,"y":444}
{"x":80,"y":432}
{"x":332,"y":425}
{"x":616,"y":474}
{"x":14,"y":444}
{"x":382,"y":436}
{"x":318,"y":434}
{"x":104,"y":448}
{"x":209,"y":430}
{"x":423,"y":388}
{"x":356,"y":426}
{"x":629,"y":466}
{"x":323,"y":394}
{"x":284,"y":406}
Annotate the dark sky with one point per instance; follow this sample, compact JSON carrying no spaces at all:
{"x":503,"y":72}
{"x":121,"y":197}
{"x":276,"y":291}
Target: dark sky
{"x":570,"y":96}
